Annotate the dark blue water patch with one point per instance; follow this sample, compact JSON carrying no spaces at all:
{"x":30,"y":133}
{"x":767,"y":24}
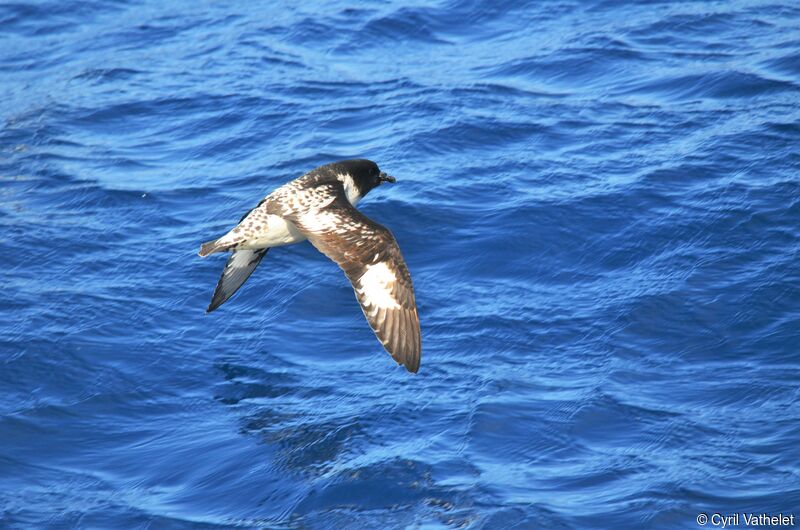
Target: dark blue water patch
{"x":589,"y":64}
{"x":787,"y":64}
{"x":725,"y":84}
{"x":107,"y":75}
{"x":46,"y":18}
{"x":403,"y":25}
{"x":698,"y":23}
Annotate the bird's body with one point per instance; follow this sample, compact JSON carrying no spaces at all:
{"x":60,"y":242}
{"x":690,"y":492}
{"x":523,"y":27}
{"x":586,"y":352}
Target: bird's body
{"x":320,"y":206}
{"x":274,"y":231}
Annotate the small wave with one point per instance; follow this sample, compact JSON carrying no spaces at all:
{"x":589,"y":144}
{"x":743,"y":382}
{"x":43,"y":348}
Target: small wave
{"x":716,"y":84}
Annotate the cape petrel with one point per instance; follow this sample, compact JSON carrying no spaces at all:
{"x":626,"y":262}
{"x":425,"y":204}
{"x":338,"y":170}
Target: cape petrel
{"x":320,"y":207}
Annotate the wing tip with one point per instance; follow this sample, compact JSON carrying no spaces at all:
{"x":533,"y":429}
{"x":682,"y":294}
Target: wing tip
{"x":219,"y":298}
{"x":412,"y":367}
{"x":409,"y":360}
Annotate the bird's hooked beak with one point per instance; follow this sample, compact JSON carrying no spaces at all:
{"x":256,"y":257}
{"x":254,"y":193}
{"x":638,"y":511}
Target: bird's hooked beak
{"x":387,"y":178}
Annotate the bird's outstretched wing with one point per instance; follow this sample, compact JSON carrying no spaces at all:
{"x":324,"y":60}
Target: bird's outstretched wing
{"x":370,"y":258}
{"x":239,"y":267}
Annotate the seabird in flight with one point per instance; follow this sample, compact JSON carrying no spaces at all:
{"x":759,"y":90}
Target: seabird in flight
{"x":320,"y":207}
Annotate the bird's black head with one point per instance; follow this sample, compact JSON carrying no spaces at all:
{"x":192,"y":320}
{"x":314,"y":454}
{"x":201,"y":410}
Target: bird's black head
{"x":365,"y":174}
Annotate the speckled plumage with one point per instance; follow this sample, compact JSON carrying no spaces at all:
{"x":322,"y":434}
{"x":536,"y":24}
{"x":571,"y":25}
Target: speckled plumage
{"x":320,"y":207}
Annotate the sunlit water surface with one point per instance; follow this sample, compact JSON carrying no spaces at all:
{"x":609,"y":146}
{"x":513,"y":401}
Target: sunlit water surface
{"x":599,"y":204}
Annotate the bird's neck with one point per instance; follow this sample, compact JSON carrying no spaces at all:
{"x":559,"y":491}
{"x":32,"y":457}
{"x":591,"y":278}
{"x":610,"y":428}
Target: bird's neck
{"x":351,"y":190}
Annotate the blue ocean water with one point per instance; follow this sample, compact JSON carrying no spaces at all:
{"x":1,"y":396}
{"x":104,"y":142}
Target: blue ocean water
{"x":599,"y":203}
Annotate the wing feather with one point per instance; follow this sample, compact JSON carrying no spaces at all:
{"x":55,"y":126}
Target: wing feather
{"x":370,"y":258}
{"x":239,"y":267}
